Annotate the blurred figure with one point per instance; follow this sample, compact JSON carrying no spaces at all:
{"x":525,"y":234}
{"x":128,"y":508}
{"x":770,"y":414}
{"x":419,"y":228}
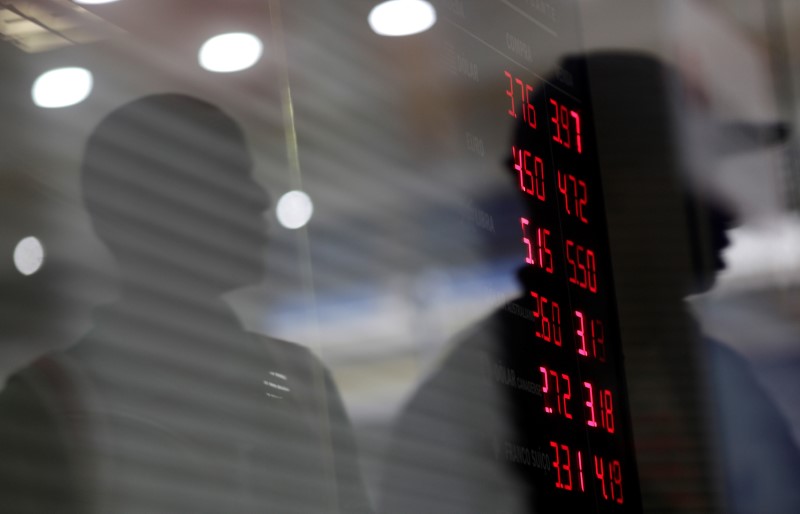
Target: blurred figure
{"x":167,"y":405}
{"x":450,"y":442}
{"x":702,"y":421}
{"x":759,"y":461}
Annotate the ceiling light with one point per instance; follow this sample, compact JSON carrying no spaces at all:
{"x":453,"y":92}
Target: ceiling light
{"x":226,"y":53}
{"x":402,"y":17}
{"x":62,"y":87}
{"x":294,"y":209}
{"x":28,"y":256}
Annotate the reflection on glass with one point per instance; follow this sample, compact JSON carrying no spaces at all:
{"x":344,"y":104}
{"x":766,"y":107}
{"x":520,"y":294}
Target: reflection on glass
{"x":294,"y":209}
{"x":167,"y":404}
{"x":29,"y":256}
{"x":62,"y":87}
{"x":402,"y":17}
{"x":227,"y":53}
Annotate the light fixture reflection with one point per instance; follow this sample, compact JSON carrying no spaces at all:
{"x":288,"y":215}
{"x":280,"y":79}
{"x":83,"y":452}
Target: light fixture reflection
{"x":94,"y":2}
{"x":29,"y":255}
{"x":294,"y":209}
{"x":62,"y":87}
{"x":227,"y":53}
{"x":402,"y":17}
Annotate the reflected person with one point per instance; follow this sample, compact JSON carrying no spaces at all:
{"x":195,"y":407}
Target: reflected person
{"x":167,"y":404}
{"x":658,"y":132}
{"x":759,"y":461}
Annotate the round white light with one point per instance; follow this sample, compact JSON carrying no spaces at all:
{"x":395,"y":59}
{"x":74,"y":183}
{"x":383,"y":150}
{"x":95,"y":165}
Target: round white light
{"x":294,"y":209}
{"x":94,"y":2}
{"x":226,"y":53}
{"x":62,"y":87}
{"x":29,"y":255}
{"x":402,"y":17}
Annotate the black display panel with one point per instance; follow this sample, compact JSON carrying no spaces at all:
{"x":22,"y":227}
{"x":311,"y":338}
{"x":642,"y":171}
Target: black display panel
{"x":575,"y":349}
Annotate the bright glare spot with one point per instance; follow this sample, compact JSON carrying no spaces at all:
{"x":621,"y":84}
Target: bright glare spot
{"x":294,"y":209}
{"x":94,"y":2}
{"x":29,"y":255}
{"x":230,"y":52}
{"x":62,"y":87}
{"x":402,"y":17}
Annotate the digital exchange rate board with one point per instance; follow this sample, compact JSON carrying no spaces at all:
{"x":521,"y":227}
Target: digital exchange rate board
{"x":576,"y":425}
{"x":575,"y":344}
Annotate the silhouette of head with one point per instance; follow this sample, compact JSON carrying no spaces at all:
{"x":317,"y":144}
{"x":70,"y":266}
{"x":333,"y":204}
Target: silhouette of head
{"x":166,"y":180}
{"x":709,"y":222}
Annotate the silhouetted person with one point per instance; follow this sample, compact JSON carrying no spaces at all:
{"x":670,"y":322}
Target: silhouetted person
{"x":759,"y":461}
{"x":167,"y":405}
{"x":700,"y":417}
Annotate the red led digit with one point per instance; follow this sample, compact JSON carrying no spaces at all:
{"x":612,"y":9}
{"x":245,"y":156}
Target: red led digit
{"x":542,"y":243}
{"x":575,"y":193}
{"x":538,"y":246}
{"x":517,"y":156}
{"x":521,"y":167}
{"x":595,"y":333}
{"x":566,"y":124}
{"x":525,"y":93}
{"x":567,"y":395}
{"x":591,"y":265}
{"x":577,"y":118}
{"x":583,"y":199}
{"x":573,"y":278}
{"x":538,"y":169}
{"x":591,"y":420}
{"x":532,"y":189}
{"x":581,"y":334}
{"x":562,"y":384}
{"x":530,"y":110}
{"x":527,"y":181}
{"x":545,"y":322}
{"x":554,"y":119}
{"x":548,"y":327}
{"x":521,"y":85}
{"x":601,"y":401}
{"x":548,"y":266}
{"x":556,"y":323}
{"x":582,"y":259}
{"x":616,"y":478}
{"x":562,"y":188}
{"x":525,"y":223}
{"x":579,"y":253}
{"x":599,"y":472}
{"x":580,"y":471}
{"x":598,"y":340}
{"x":608,"y":411}
{"x":545,"y":390}
{"x":510,"y":94}
{"x":611,"y":480}
{"x":574,"y":183}
{"x":564,"y":118}
{"x":537,"y":312}
{"x":567,"y":469}
{"x":557,"y":464}
{"x":558,"y":390}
